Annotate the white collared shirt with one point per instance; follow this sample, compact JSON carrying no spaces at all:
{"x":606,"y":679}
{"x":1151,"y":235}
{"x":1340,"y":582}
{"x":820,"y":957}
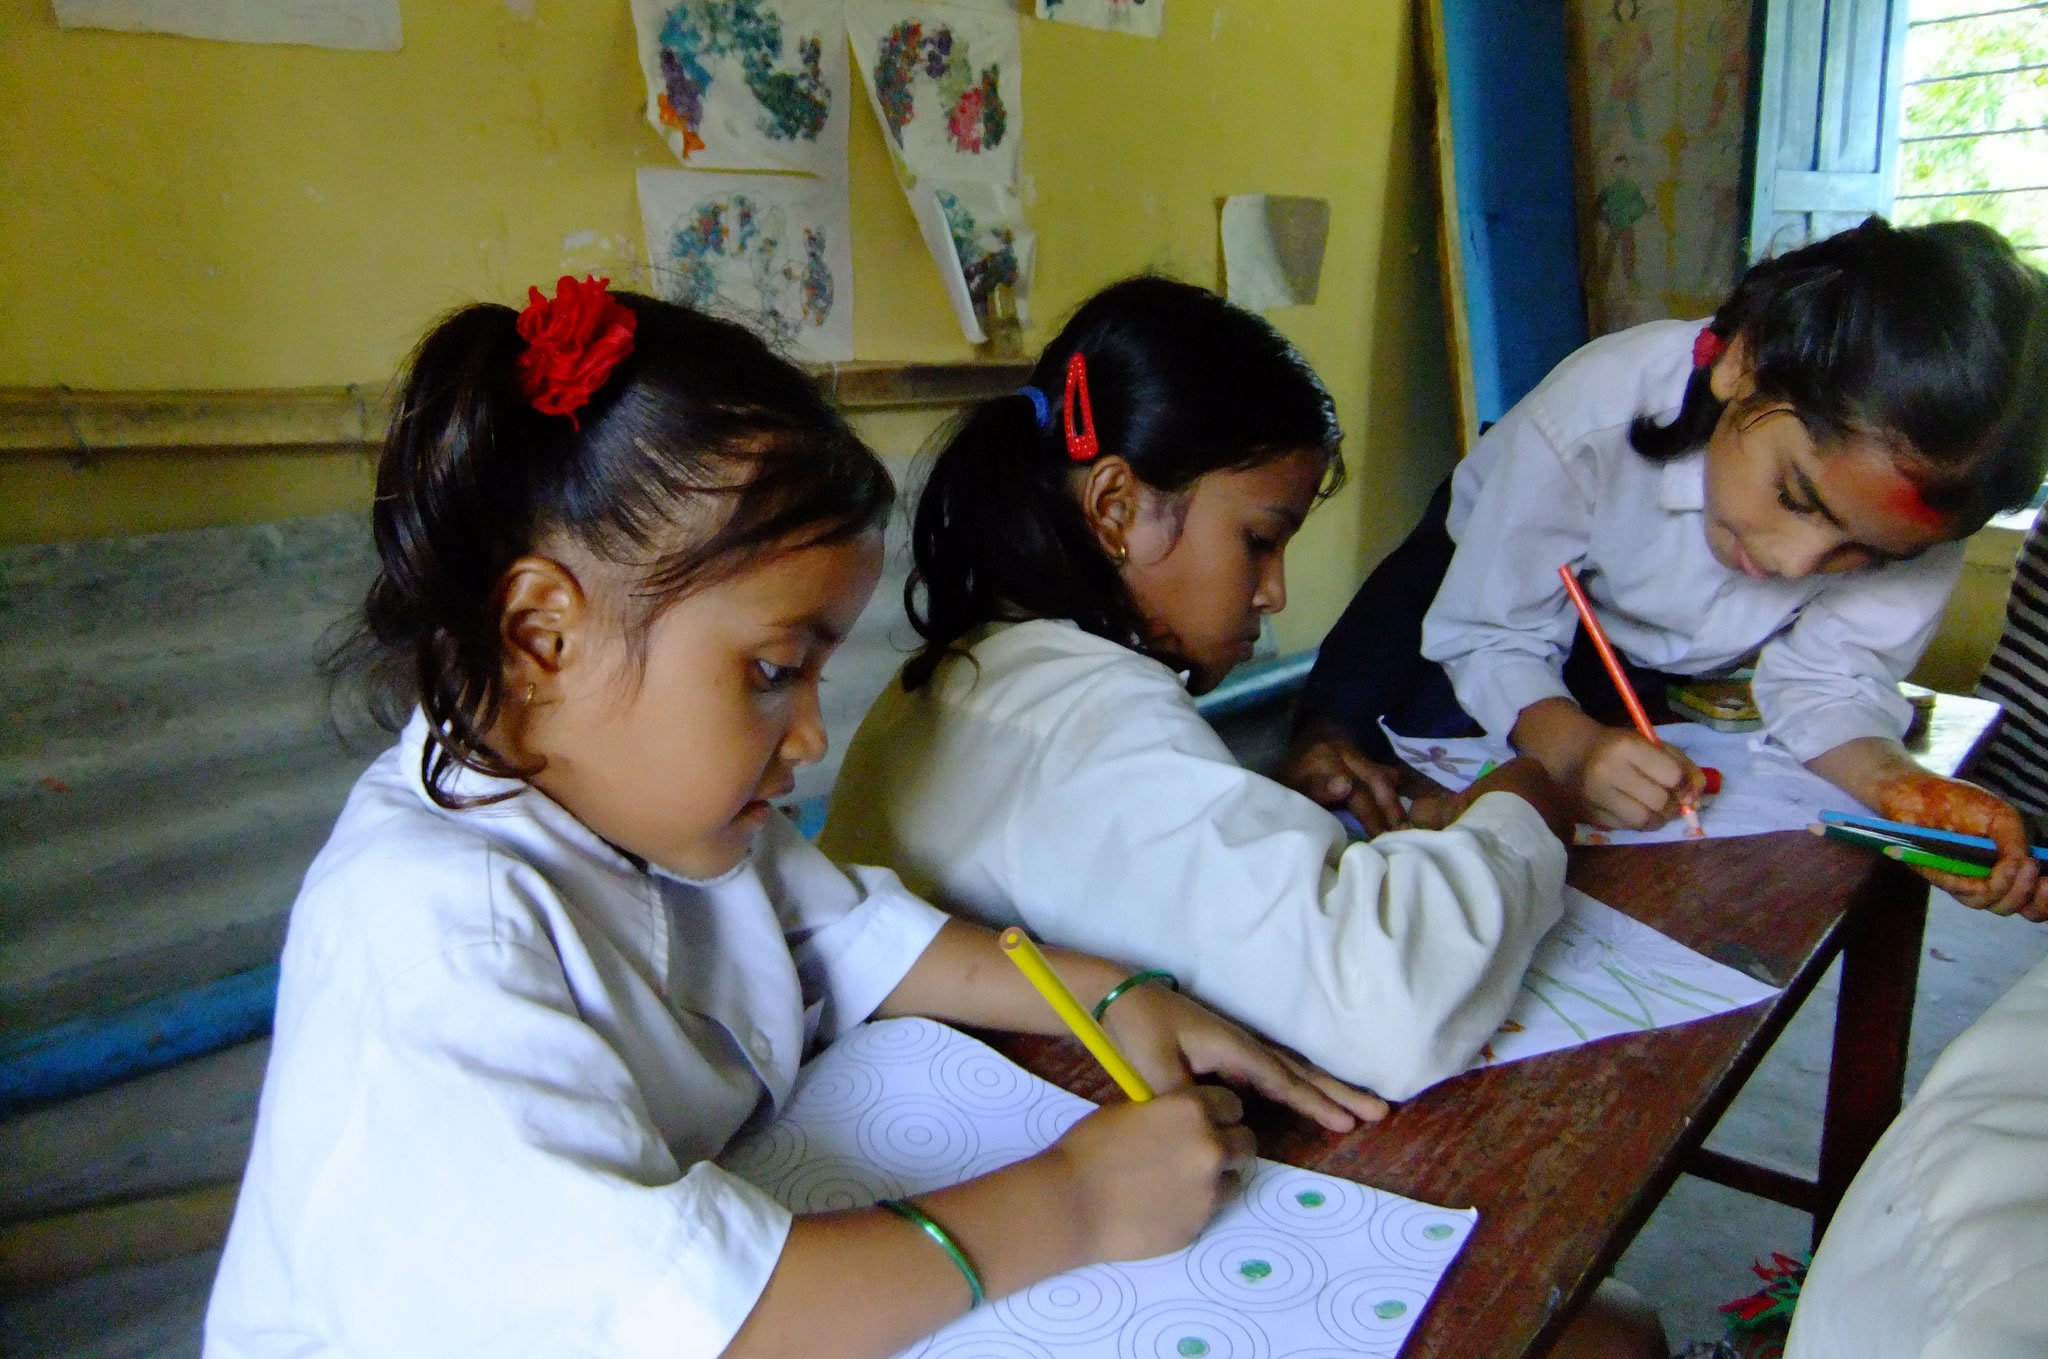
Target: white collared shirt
{"x":504,"y":1055}
{"x":1066,"y":783}
{"x":1557,"y":482}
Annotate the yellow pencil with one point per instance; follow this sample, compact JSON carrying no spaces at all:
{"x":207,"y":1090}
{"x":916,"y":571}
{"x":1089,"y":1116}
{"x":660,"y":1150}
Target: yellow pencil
{"x":1039,"y":973}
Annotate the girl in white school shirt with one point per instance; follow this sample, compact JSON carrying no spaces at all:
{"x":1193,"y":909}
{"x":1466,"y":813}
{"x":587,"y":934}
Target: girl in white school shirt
{"x":560,"y":948}
{"x":1089,"y":553}
{"x":1794,"y":475}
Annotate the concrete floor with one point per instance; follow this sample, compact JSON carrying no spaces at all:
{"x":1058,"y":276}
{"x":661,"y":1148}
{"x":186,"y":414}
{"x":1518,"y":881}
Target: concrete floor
{"x":191,"y":1126}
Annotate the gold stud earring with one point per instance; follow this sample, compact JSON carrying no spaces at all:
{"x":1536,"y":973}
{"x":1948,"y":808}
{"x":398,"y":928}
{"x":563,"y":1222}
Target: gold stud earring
{"x":1120,"y":556}
{"x":529,"y":693}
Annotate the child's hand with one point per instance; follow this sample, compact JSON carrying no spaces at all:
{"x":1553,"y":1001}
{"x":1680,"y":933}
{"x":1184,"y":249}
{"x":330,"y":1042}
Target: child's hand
{"x":1631,"y":784}
{"x":2016,"y":884}
{"x":1172,"y":1039}
{"x":1324,"y":765}
{"x":1523,"y":776}
{"x":1145,"y":1178}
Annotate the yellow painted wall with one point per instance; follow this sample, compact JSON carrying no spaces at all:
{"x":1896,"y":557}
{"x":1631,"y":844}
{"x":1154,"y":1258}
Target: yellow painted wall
{"x":180,"y":214}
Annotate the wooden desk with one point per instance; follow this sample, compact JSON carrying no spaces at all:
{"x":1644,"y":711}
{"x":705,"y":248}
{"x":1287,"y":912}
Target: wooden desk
{"x":1566,"y":1155}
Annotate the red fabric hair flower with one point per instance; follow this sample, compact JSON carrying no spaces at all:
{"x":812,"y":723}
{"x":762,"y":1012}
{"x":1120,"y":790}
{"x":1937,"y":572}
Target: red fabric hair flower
{"x":572,"y":344}
{"x":1707,"y":347}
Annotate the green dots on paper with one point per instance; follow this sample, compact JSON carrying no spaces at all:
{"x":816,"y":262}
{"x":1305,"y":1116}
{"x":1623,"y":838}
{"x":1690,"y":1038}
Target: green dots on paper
{"x":1192,"y":1345}
{"x":1255,"y":1270}
{"x":1438,"y":1231}
{"x":1310,"y":1198}
{"x":1389,"y":1309}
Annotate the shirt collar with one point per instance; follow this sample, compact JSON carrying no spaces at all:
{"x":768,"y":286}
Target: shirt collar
{"x":1682,"y":483}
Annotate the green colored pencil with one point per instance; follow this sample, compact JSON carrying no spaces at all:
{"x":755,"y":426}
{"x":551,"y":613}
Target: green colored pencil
{"x":1920,"y":858}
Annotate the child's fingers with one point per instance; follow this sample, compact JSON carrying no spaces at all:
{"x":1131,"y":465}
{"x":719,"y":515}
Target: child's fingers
{"x":1379,"y":784}
{"x":1362,"y":1105}
{"x":1248,"y":1061}
{"x":1693,"y":779}
{"x":1221,"y":1104}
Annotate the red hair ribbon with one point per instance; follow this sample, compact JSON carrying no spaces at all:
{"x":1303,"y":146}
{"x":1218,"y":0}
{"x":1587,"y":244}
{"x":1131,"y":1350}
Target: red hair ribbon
{"x":1706,"y":347}
{"x":572,"y":344}
{"x":1081,"y":442}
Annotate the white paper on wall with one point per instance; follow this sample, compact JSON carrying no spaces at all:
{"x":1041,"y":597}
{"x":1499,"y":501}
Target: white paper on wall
{"x":1300,"y":1264}
{"x":1143,"y":17}
{"x":748,"y":84}
{"x":357,"y":25}
{"x":773,"y":252}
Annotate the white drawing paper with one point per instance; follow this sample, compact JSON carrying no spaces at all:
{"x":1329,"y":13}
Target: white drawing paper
{"x":980,"y":241}
{"x":1301,"y":1264}
{"x":945,"y":82}
{"x":1762,"y":788}
{"x":353,"y":25}
{"x":748,"y":84}
{"x":1599,"y":973}
{"x":1143,"y":17}
{"x":1273,"y":249}
{"x":773,"y":252}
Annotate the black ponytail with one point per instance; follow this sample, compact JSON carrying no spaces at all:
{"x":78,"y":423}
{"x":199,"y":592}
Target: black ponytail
{"x":703,"y":452}
{"x":1931,"y":338}
{"x":1182,"y":384}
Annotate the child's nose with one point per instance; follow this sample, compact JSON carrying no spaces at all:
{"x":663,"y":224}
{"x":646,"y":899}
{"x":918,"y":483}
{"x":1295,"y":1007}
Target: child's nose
{"x":1810,"y":550}
{"x":1271,"y":596}
{"x":804,"y":742}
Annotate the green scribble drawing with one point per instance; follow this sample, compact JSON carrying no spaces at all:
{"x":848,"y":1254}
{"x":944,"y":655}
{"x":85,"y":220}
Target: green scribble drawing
{"x":1634,"y":985}
{"x":1310,"y":1198}
{"x":1255,"y":1270}
{"x":1389,"y":1309}
{"x":1554,"y":1008}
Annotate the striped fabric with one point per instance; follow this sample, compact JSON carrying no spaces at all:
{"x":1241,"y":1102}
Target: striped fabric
{"x":2015,"y":766}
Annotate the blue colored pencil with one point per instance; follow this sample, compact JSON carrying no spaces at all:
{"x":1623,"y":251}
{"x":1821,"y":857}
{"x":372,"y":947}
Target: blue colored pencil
{"x":1926,"y":837}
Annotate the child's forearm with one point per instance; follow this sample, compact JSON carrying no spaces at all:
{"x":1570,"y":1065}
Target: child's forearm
{"x":1559,"y":734}
{"x":869,"y":1283}
{"x":1866,"y":768}
{"x":964,"y":976}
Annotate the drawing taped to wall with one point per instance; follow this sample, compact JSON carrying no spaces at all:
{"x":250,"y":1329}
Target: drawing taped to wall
{"x":773,"y":252}
{"x":944,"y":81}
{"x":351,"y":25}
{"x":980,"y":242}
{"x":747,"y":84}
{"x":1146,"y":18}
{"x":1299,"y":1264}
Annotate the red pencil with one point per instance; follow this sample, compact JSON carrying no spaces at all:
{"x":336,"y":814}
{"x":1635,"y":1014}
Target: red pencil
{"x":1619,"y":676}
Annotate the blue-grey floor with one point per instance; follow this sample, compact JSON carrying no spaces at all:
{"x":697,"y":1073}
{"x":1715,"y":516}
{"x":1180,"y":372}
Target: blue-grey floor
{"x":191,"y":1126}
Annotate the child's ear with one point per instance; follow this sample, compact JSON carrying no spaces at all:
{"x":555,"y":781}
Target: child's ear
{"x":1732,"y":377}
{"x":1109,"y":502}
{"x":542,"y":609}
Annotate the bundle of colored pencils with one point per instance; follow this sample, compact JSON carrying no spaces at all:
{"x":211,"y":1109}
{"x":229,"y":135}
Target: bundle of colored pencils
{"x":1966,"y":856}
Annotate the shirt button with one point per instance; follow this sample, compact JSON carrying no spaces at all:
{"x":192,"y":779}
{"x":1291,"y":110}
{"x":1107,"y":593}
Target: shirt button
{"x":762,"y":1050}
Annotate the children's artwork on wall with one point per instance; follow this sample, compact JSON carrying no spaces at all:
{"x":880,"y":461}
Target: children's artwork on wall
{"x":1762,"y":788}
{"x":1144,"y":17}
{"x":945,"y":83}
{"x":980,"y":241}
{"x":747,"y":84}
{"x":773,"y":252}
{"x":1599,"y":973}
{"x":354,"y":25}
{"x":1297,"y":1264}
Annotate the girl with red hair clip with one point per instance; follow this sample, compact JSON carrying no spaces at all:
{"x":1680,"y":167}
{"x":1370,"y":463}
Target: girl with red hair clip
{"x":561,"y":946}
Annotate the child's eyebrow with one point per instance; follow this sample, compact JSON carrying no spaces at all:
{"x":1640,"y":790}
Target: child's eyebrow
{"x":815,"y":629}
{"x":1812,"y":494}
{"x":1286,"y":513}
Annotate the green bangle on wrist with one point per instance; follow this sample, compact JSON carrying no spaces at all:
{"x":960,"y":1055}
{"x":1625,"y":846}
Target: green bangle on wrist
{"x":922,"y":1220}
{"x":1150,"y":974}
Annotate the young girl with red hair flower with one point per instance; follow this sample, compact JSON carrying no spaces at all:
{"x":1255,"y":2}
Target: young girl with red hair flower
{"x":560,"y":947}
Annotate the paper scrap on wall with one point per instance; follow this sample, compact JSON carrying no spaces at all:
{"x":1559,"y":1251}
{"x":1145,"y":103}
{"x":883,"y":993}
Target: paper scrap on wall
{"x":747,"y":84}
{"x":773,"y":252}
{"x":943,"y":80}
{"x":980,"y":241}
{"x":1273,"y":249}
{"x":1143,"y":17}
{"x":356,"y":25}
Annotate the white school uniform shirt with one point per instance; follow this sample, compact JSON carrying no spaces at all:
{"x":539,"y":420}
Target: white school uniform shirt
{"x":504,"y":1055}
{"x":1556,"y":481}
{"x":1940,"y":1248}
{"x":1066,"y":783}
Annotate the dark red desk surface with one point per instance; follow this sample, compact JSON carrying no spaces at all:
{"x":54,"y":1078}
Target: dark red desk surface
{"x":1566,"y":1155}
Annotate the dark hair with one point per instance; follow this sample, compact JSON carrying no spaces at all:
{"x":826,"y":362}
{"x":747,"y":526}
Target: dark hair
{"x":1182,"y":384}
{"x":701,"y":454}
{"x":1931,"y":338}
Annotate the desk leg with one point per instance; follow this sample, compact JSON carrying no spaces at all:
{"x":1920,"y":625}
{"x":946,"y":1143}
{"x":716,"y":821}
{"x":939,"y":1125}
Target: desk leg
{"x":1873,"y":1022}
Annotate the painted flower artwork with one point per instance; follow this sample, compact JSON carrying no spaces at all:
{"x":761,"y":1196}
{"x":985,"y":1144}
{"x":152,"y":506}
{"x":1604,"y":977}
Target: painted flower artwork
{"x":746,"y":84}
{"x":770,"y":252}
{"x":988,"y":258}
{"x":972,"y":102}
{"x":944,"y":82}
{"x":1143,"y":17}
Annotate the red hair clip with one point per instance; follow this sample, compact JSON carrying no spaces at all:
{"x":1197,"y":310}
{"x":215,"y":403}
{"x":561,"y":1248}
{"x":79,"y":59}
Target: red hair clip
{"x":572,"y":344}
{"x":1706,"y":347}
{"x":1081,"y":443}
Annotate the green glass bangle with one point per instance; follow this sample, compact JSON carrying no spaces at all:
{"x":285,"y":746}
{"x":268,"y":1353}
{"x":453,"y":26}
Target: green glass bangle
{"x":917,"y":1216}
{"x":1150,"y":974}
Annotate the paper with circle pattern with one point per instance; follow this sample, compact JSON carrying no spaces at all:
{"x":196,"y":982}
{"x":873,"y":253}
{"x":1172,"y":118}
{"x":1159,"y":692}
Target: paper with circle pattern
{"x":1301,"y":1265}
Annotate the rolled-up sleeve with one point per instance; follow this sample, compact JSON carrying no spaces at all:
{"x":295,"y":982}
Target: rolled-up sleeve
{"x":1389,"y":963}
{"x":854,"y":931}
{"x":1833,"y":675}
{"x":1502,"y":624}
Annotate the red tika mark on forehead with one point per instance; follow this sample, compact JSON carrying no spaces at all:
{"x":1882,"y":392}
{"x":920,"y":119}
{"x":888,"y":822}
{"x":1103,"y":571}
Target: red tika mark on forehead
{"x":1905,"y":501}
